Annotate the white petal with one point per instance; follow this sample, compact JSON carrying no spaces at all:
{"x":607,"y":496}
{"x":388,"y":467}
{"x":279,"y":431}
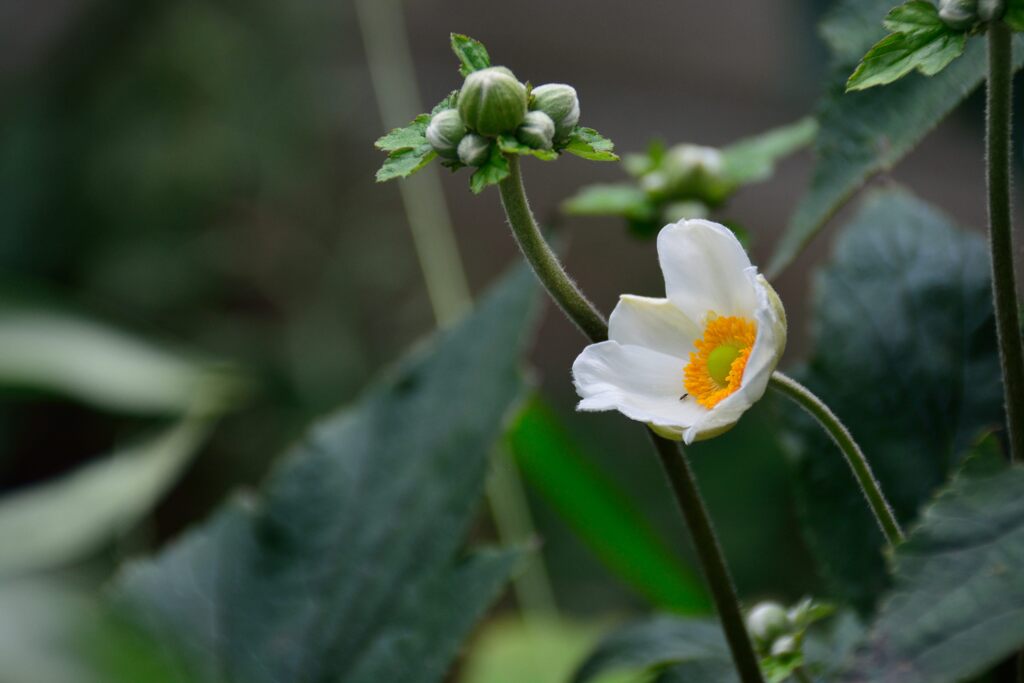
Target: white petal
{"x":704,"y":265}
{"x":641,"y":384}
{"x":654,"y":324}
{"x":764,"y":357}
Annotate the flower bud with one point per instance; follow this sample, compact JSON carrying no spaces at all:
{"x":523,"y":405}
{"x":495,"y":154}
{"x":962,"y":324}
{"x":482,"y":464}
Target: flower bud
{"x":474,"y":150}
{"x":991,"y":10}
{"x":445,"y":131}
{"x":786,"y":645}
{"x":694,"y":172}
{"x":559,"y":101}
{"x":492,"y":101}
{"x":958,"y":14}
{"x":537,"y":131}
{"x":767,"y":621}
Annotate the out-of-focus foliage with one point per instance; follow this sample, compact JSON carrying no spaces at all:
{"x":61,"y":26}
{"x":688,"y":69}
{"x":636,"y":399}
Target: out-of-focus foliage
{"x":600,"y":512}
{"x":905,"y":351}
{"x":346,"y":567}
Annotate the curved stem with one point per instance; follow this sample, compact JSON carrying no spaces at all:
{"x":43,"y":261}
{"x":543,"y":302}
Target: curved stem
{"x":671,"y":455}
{"x":1000,"y":229}
{"x":841,"y":436}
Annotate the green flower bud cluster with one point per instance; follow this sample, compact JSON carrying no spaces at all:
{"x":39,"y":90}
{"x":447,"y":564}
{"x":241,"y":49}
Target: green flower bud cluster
{"x":779,"y":632}
{"x":964,"y":15}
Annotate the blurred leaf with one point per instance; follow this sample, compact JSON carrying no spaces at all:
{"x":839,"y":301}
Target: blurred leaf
{"x":405,"y":162}
{"x":958,"y":600}
{"x":345,"y":568}
{"x":753,"y":159}
{"x":538,"y":651}
{"x":657,"y":642}
{"x":53,"y":523}
{"x":1014,"y":17}
{"x":412,"y":136}
{"x":102,"y":366}
{"x":601,"y":513}
{"x":589,"y":144}
{"x":471,"y":53}
{"x":864,"y":133}
{"x":508,"y":143}
{"x":620,"y":199}
{"x":920,"y":41}
{"x":905,"y":354}
{"x":493,"y":172}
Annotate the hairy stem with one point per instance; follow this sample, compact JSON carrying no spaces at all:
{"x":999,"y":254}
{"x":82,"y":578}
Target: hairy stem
{"x":841,"y":436}
{"x":671,"y":455}
{"x":1000,"y":230}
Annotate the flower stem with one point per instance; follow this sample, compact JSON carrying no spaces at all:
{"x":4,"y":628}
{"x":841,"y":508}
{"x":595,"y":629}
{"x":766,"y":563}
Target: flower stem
{"x":1000,"y":230}
{"x":803,"y":397}
{"x":671,"y":455}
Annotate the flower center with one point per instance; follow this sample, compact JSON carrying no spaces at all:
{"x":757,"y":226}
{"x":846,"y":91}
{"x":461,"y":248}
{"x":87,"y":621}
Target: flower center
{"x":716,"y":368}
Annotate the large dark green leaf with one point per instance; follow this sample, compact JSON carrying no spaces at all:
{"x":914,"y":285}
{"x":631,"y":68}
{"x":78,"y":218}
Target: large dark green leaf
{"x":958,"y":603}
{"x":867,"y":132}
{"x":345,"y":568}
{"x":905,"y":354}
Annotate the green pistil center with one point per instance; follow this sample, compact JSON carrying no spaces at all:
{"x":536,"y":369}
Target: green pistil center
{"x":720,"y":363}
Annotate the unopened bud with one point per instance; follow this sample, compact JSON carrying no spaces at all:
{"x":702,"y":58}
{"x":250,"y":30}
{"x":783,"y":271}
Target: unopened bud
{"x":492,"y":101}
{"x":474,"y":150}
{"x":445,"y":132}
{"x":537,"y":131}
{"x":560,"y":102}
{"x":786,"y":645}
{"x":767,"y":621}
{"x":958,"y":14}
{"x":991,"y":10}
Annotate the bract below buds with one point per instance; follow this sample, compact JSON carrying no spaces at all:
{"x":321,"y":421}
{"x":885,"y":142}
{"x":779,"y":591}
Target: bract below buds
{"x":537,"y":131}
{"x":474,"y":150}
{"x":445,"y":132}
{"x":958,"y":14}
{"x":560,"y":102}
{"x":492,"y":101}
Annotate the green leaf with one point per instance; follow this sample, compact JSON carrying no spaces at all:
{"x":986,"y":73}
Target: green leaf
{"x":867,"y":132}
{"x":412,"y":136}
{"x":448,"y":102}
{"x":601,"y":513}
{"x":348,"y":567}
{"x":620,"y":199}
{"x":405,"y":162}
{"x":1014,"y":17}
{"x":589,"y":144}
{"x":471,"y":53}
{"x":493,"y":172}
{"x":920,"y":41}
{"x":957,"y":606}
{"x":905,"y":354}
{"x":753,"y":159}
{"x":509,"y":144}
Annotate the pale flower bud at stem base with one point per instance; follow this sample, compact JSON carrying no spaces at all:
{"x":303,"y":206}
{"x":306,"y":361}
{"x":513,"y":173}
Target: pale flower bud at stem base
{"x":958,"y":14}
{"x":560,"y":102}
{"x":786,"y":645}
{"x":474,"y":150}
{"x":537,"y":131}
{"x":492,"y":101}
{"x":767,"y":621}
{"x":445,"y":132}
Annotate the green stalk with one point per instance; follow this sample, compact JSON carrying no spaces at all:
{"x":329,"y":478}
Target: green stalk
{"x":394,"y":85}
{"x":671,"y":455}
{"x":841,"y":436}
{"x":1000,"y":231}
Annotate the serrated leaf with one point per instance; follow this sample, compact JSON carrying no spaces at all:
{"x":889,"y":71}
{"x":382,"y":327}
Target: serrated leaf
{"x":407,"y":137}
{"x":753,"y":159}
{"x":589,"y":144}
{"x":601,"y":513}
{"x":493,"y":172}
{"x":620,"y":199}
{"x":921,"y":42}
{"x":448,"y":102}
{"x":345,"y":568}
{"x":471,"y":53}
{"x":905,"y":354}
{"x":866,"y":132}
{"x":510,"y":145}
{"x":957,"y":606}
{"x":405,"y":162}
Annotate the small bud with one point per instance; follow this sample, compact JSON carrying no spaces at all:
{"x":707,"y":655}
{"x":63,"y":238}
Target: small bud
{"x":537,"y":131}
{"x":695,"y":172}
{"x":767,"y":621}
{"x":492,"y":101}
{"x":958,"y":14}
{"x":474,"y":150}
{"x":445,"y":131}
{"x":786,"y":645}
{"x":991,"y":10}
{"x":559,"y":101}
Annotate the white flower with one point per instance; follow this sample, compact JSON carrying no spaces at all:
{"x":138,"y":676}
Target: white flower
{"x":691,"y":364}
